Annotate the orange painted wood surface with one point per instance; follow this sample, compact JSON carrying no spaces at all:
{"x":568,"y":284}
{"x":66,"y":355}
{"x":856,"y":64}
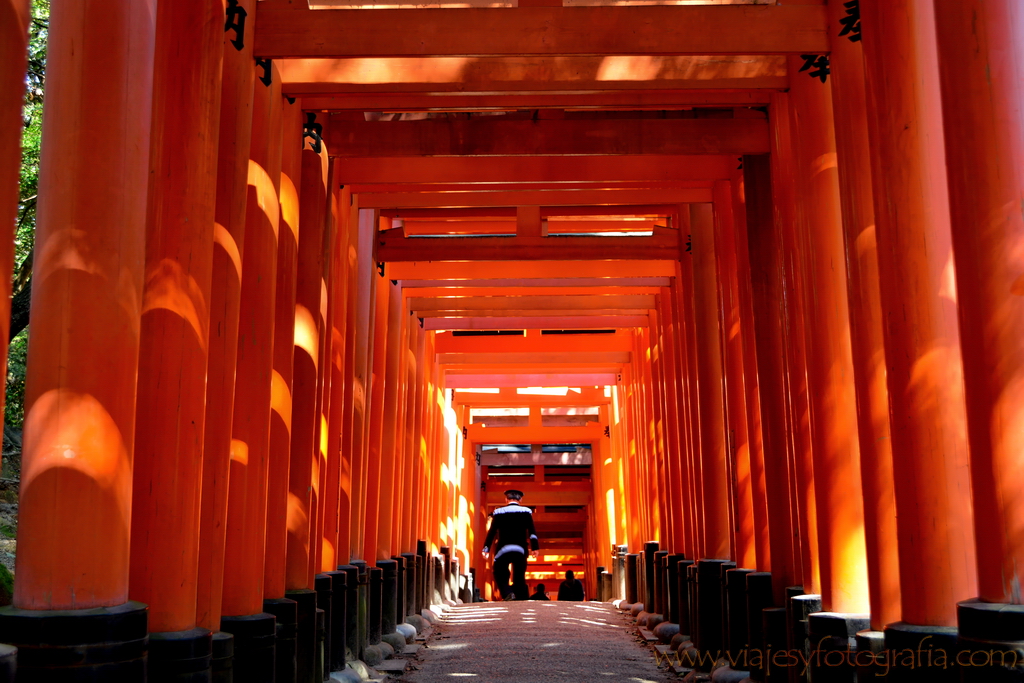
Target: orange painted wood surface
{"x":225,"y":298}
{"x":922,"y":341}
{"x":14,"y":20}
{"x":767,"y":294}
{"x":410,"y":76}
{"x":634,"y":100}
{"x":76,"y":472}
{"x":738,"y":444}
{"x":254,"y":381}
{"x":174,"y":337}
{"x":980,"y":60}
{"x":308,"y":332}
{"x":275,"y":561}
{"x":471,"y":32}
{"x":713,"y":452}
{"x":486,"y":136}
{"x":831,"y":389}
{"x":850,"y":113}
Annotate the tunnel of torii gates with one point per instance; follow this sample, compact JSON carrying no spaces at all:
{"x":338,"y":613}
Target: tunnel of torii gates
{"x":738,"y":283}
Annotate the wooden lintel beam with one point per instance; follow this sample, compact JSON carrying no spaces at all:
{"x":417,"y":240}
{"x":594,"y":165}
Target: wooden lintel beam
{"x":512,"y":358}
{"x":579,"y":322}
{"x":487,"y":136}
{"x":548,"y":198}
{"x":539,"y":303}
{"x":535,"y":380}
{"x":562,"y":268}
{"x":634,"y":100}
{"x":527,"y":313}
{"x":530,"y":75}
{"x":479,"y":32}
{"x":534,"y":343}
{"x":656,"y":282}
{"x":534,"y":169}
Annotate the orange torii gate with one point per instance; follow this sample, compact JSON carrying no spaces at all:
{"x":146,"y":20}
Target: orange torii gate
{"x":261,"y":225}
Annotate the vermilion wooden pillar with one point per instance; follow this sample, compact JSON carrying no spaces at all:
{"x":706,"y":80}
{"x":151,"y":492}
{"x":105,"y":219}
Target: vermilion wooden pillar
{"x":244,"y":563}
{"x":714,"y":470}
{"x":229,"y":237}
{"x":735,"y":386}
{"x":922,"y":341}
{"x":167,"y":472}
{"x":304,"y":447}
{"x":275,"y":561}
{"x":660,"y":425}
{"x":748,"y":346}
{"x":687,"y":435}
{"x":837,"y":483}
{"x":14,"y":18}
{"x":767,"y":292}
{"x":652,"y":454}
{"x":76,"y":478}
{"x":389,"y":481}
{"x":795,"y":358}
{"x":336,"y":492}
{"x":376,"y":420}
{"x":349,"y":422}
{"x":850,"y":113}
{"x":321,"y":462}
{"x":677,"y":474}
{"x":980,"y":62}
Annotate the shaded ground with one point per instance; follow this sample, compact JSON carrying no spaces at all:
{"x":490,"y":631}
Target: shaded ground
{"x":519,"y":642}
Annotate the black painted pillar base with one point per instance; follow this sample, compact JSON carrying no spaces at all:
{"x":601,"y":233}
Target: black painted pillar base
{"x":773,"y":624}
{"x":286,"y":614}
{"x":709,"y":606}
{"x":412,"y":582}
{"x":324,"y":586}
{"x":759,"y":598}
{"x":388,"y":596}
{"x":921,"y":654}
{"x":106,"y":643}
{"x":833,"y":638}
{"x":800,"y":607}
{"x":222,"y":663}
{"x":319,"y":651}
{"x":647,"y":594}
{"x":437,"y":580}
{"x":338,"y":627}
{"x":723,"y":576}
{"x":660,"y":583}
{"x":632,"y":578}
{"x":351,"y":643}
{"x":423,"y":575}
{"x":305,"y":643}
{"x":682,"y":598}
{"x":871,"y":668}
{"x":181,"y":656}
{"x":373,"y":620}
{"x":992,"y":642}
{"x":738,"y":631}
{"x":400,"y":588}
{"x":255,"y":646}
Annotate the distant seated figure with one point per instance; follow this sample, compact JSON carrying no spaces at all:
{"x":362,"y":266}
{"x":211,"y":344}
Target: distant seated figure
{"x":539,"y":594}
{"x":571,"y":588}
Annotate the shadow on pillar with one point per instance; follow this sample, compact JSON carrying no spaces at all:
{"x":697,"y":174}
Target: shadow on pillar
{"x":286,"y":614}
{"x":255,"y":639}
{"x":305,"y":633}
{"x":101,"y":644}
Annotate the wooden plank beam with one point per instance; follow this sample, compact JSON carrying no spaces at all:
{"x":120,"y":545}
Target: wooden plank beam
{"x":602,"y":98}
{"x":528,"y":313}
{"x":539,"y":303}
{"x":577,"y":322}
{"x":530,"y":74}
{"x":533,"y":343}
{"x":544,"y":198}
{"x":572,"y":358}
{"x":477,"y":32}
{"x":545,"y":498}
{"x":524,"y":283}
{"x":448,"y":292}
{"x":492,"y":136}
{"x":554,"y":379}
{"x":534,"y":169}
{"x":497,"y":270}
{"x":500,"y":249}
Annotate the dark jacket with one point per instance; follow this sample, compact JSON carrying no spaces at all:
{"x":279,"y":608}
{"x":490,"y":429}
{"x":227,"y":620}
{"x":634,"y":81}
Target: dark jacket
{"x":512,"y":527}
{"x":571,"y":589}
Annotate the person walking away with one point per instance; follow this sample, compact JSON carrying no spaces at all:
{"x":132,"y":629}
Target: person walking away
{"x":513,"y":530}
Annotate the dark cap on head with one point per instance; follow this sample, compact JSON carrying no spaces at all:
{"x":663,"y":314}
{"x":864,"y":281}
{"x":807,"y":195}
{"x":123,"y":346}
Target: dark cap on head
{"x":514,"y":494}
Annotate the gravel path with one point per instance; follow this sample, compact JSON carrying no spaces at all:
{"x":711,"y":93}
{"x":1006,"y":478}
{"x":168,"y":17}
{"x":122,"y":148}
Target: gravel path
{"x":535,"y":642}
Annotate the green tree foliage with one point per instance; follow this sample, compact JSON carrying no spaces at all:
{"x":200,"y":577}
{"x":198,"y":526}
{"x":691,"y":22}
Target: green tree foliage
{"x":24,"y":238}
